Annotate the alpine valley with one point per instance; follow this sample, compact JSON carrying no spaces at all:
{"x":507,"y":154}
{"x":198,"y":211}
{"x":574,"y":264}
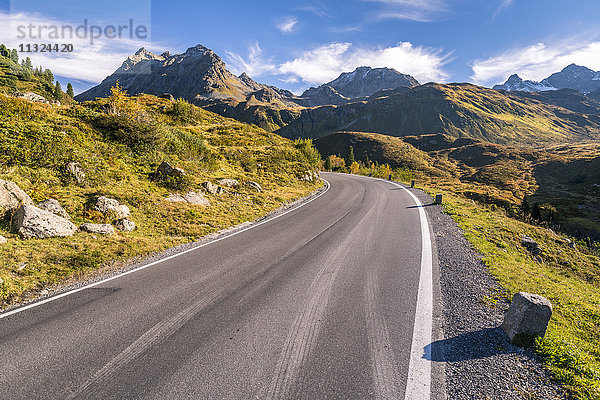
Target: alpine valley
{"x":520,"y":120}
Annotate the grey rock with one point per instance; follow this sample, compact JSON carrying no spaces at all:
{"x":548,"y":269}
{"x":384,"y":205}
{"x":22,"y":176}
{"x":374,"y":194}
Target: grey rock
{"x":32,"y":222}
{"x":196,"y":199}
{"x":100,"y":229}
{"x":175,"y":198}
{"x":166,"y":170}
{"x":125,"y":225}
{"x":11,"y":196}
{"x":212,"y":188}
{"x":528,"y":314}
{"x":54,"y":207}
{"x":3,"y":240}
{"x":1,"y":281}
{"x":167,"y":96}
{"x":74,"y":169}
{"x":112,"y":207}
{"x":190,"y":197}
{"x":33,"y":97}
{"x":228,"y":182}
{"x":255,"y":186}
{"x":531,"y":245}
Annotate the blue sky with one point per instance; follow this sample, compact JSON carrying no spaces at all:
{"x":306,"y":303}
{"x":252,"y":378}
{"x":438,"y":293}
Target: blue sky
{"x":302,"y":43}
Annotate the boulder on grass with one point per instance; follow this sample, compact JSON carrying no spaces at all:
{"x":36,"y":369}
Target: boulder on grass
{"x":74,"y":169}
{"x":32,"y":222}
{"x":228,"y":182}
{"x":190,"y":197}
{"x":54,"y":207}
{"x":531,"y":245}
{"x":100,"y":229}
{"x":167,"y":96}
{"x":212,"y":188}
{"x":111,"y":206}
{"x":196,"y":199}
{"x":166,"y":171}
{"x":125,"y":225}
{"x":527,"y":316}
{"x":175,"y":198}
{"x":3,"y":240}
{"x":11,"y":197}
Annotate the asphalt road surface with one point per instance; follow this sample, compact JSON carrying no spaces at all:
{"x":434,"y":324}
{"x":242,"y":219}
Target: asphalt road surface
{"x":319,"y":303}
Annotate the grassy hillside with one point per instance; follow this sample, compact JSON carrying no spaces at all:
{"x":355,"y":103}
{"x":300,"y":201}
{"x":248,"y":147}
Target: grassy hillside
{"x":119,"y":143}
{"x":458,"y":110}
{"x":22,"y":77}
{"x":484,"y":186}
{"x":563,"y":181}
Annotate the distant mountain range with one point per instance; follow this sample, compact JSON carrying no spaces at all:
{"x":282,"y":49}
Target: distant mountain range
{"x":201,"y":77}
{"x":379,"y":100}
{"x":573,"y":76}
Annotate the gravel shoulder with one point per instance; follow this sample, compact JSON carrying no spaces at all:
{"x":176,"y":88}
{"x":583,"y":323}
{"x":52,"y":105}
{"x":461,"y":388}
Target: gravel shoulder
{"x":479,"y":360}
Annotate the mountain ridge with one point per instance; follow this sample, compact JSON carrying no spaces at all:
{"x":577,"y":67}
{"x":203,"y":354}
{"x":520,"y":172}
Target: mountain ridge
{"x":573,"y":76}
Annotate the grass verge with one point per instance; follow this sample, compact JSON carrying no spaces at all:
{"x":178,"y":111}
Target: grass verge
{"x":569,"y":276}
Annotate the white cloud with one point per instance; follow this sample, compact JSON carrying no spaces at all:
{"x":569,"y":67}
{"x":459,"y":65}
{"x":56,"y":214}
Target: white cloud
{"x":287,"y":24}
{"x":326,"y":62}
{"x":412,"y":10}
{"x":254,"y":65}
{"x":88,"y":62}
{"x":537,"y":61}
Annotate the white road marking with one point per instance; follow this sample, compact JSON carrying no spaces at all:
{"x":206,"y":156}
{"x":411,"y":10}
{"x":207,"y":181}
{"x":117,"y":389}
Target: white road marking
{"x":418,"y":384}
{"x":70,"y":292}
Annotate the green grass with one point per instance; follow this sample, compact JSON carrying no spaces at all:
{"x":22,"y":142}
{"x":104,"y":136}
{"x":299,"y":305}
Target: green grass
{"x":569,"y":278}
{"x":119,"y":147}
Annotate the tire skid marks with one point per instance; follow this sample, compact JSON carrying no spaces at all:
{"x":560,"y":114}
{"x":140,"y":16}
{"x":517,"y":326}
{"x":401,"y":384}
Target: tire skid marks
{"x":303,"y":334}
{"x":385,"y":369}
{"x":156,"y":334}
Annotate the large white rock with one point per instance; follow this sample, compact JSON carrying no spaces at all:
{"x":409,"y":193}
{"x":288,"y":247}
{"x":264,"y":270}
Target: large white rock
{"x":196,"y":199}
{"x":3,"y":240}
{"x":54,"y":207}
{"x":228,"y":182}
{"x":527,"y":315}
{"x":112,"y":207}
{"x":11,"y":196}
{"x":190,"y":197}
{"x":32,"y":222}
{"x":125,"y":225}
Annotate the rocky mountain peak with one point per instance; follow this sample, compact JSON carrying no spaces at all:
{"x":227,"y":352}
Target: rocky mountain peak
{"x":362,"y":82}
{"x":573,"y":76}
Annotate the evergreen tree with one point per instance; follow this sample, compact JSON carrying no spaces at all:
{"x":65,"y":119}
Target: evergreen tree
{"x":14,"y":56}
{"x":350,"y":158}
{"x":49,"y":76}
{"x":57,"y":91}
{"x":70,"y":90}
{"x":4,"y":51}
{"x":27,"y":63}
{"x":328,"y":164}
